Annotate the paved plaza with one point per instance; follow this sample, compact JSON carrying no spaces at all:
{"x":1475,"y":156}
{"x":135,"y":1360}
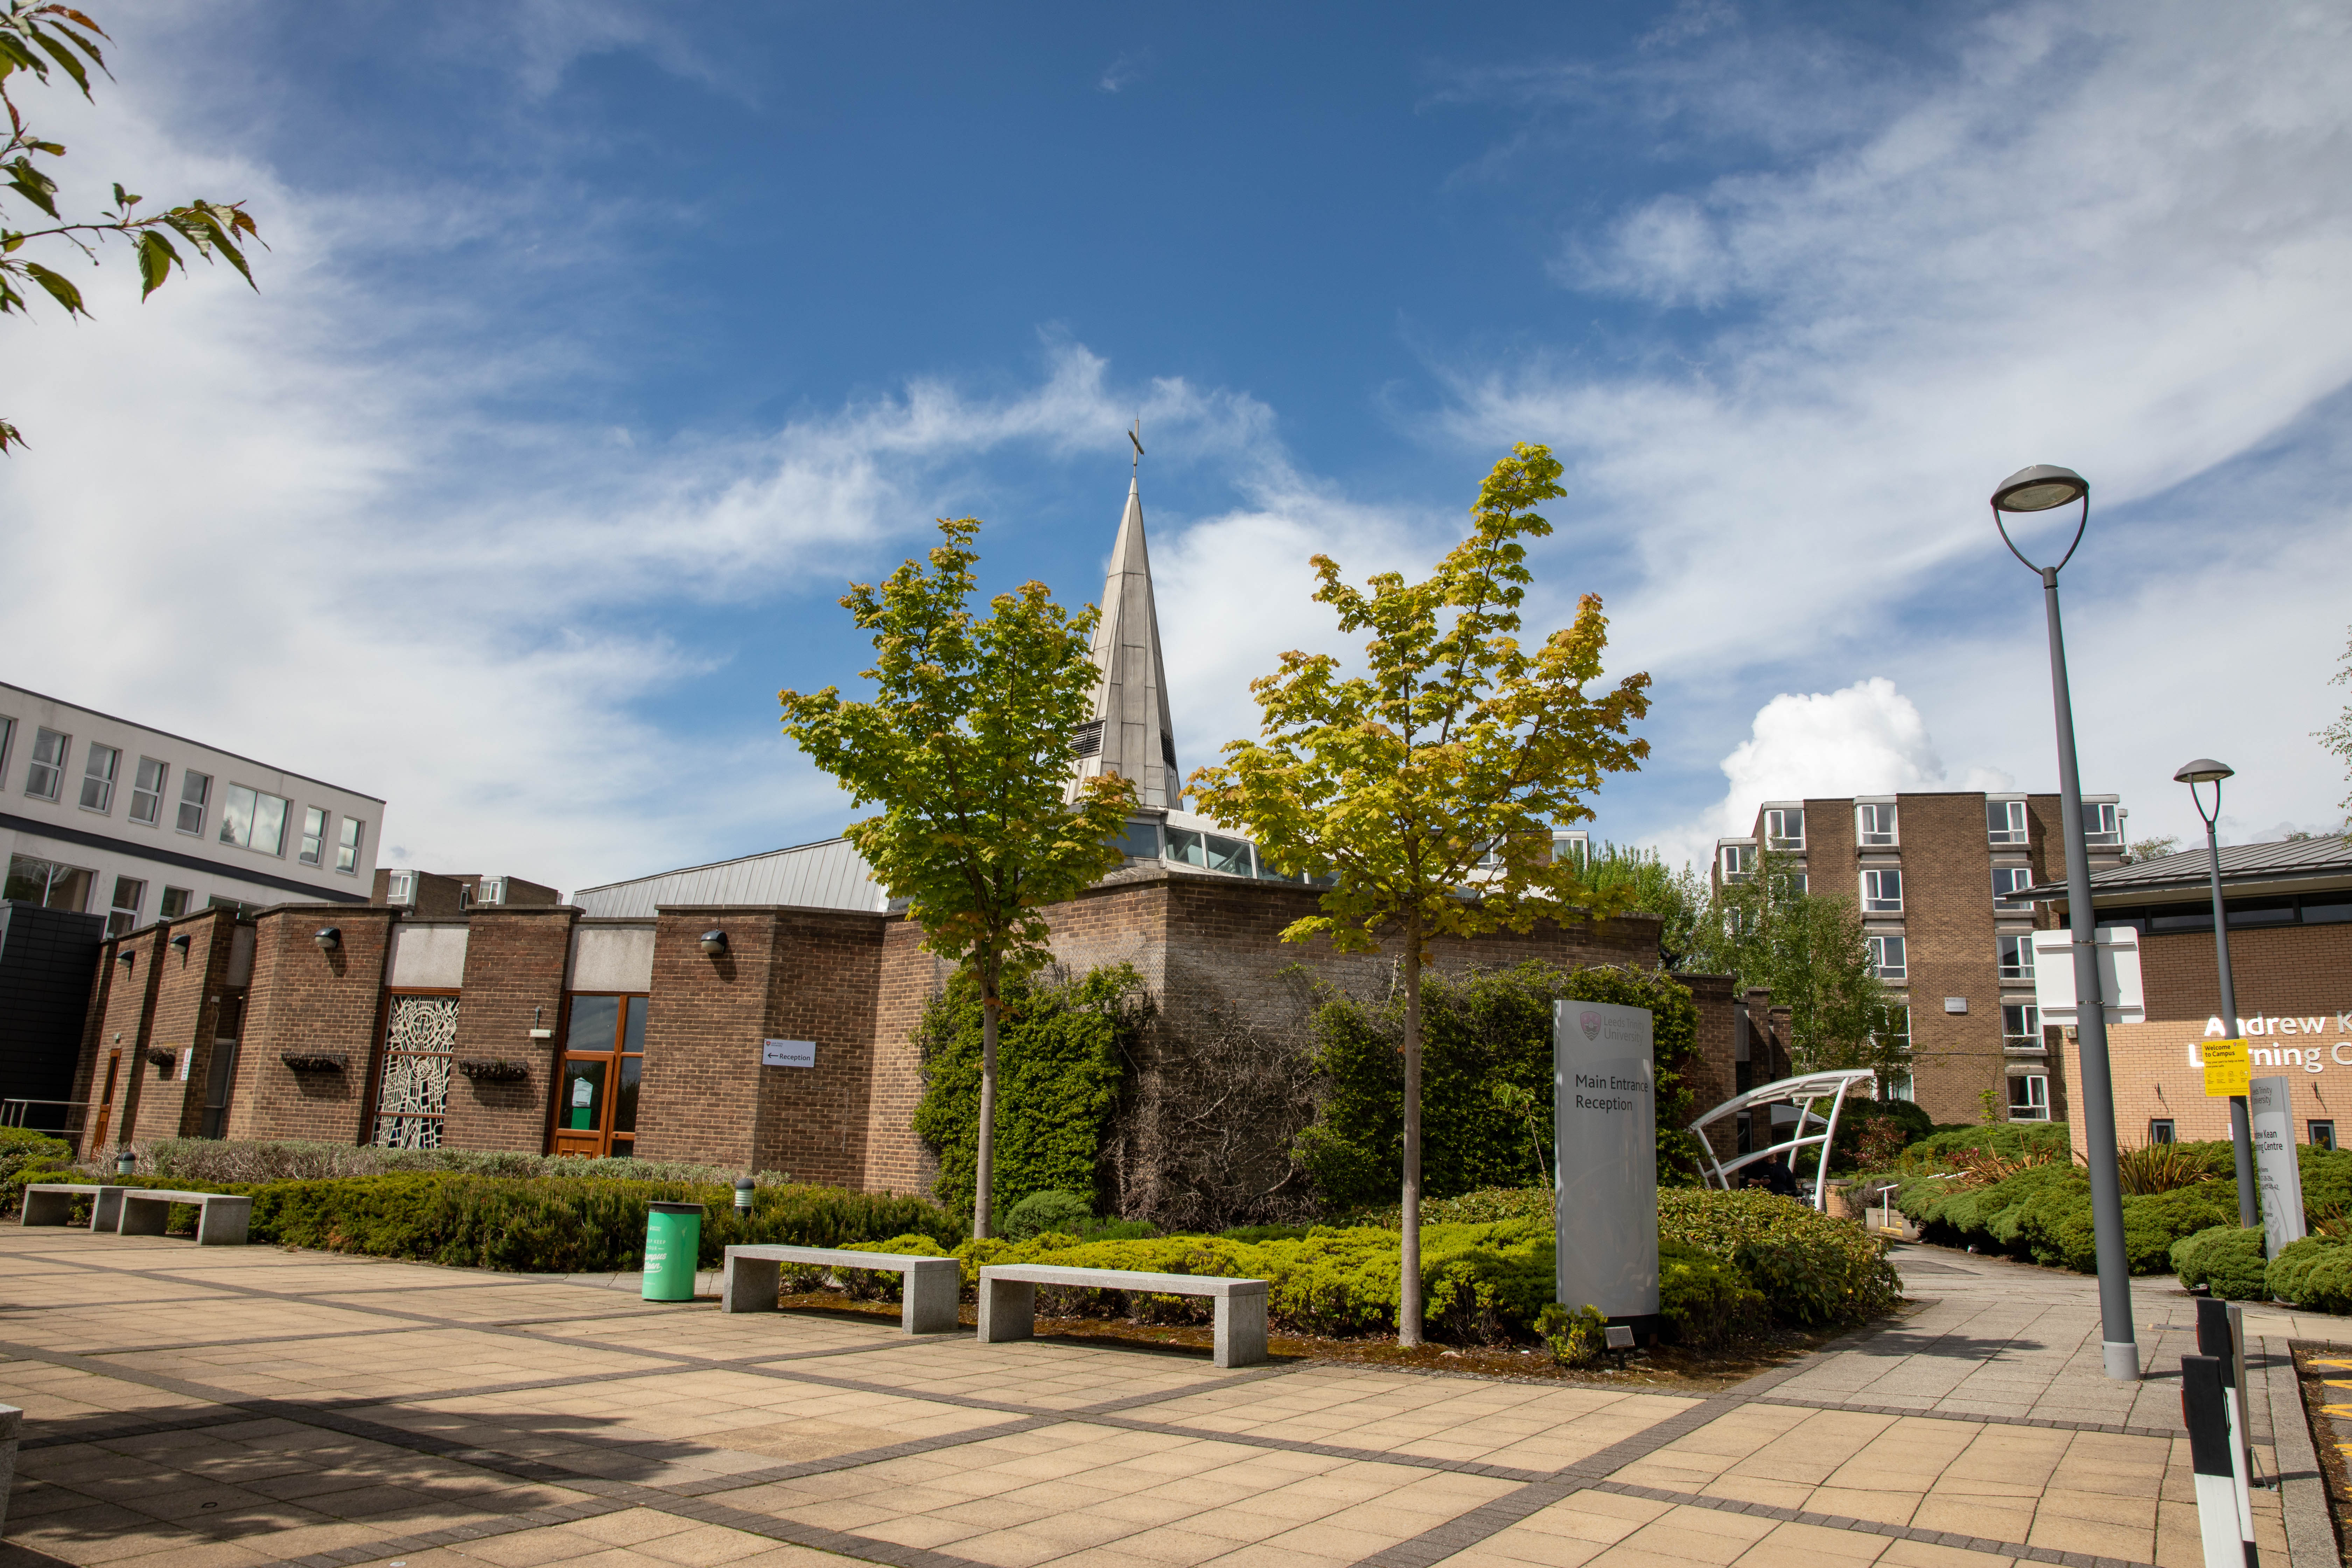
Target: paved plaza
{"x":251,"y":1405}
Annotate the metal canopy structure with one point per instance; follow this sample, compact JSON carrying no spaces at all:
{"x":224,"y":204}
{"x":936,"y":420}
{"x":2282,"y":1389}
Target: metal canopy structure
{"x":1803,"y":1091}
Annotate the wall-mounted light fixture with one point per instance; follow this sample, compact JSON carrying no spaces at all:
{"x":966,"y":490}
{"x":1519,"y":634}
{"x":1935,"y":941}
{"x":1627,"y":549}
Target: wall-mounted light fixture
{"x":329,"y":940}
{"x":714,"y":942}
{"x":126,"y":958}
{"x":181,"y":943}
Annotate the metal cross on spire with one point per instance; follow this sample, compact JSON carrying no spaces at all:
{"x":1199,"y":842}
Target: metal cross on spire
{"x":1136,"y":436}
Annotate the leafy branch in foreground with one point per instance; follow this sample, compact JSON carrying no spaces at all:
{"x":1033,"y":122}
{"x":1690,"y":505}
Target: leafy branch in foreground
{"x":36,"y":37}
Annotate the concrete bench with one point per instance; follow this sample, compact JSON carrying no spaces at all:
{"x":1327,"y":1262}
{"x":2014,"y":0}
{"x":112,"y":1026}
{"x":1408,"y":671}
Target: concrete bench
{"x":1008,"y":1303}
{"x":750,"y":1276}
{"x":221,"y":1218}
{"x":51,"y":1203}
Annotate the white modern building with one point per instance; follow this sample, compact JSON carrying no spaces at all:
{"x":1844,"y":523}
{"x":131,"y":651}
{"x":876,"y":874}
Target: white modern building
{"x":101,"y":815}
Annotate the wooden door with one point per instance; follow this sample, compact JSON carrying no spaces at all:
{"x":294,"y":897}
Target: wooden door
{"x":595,"y":1110}
{"x":106,"y":1099}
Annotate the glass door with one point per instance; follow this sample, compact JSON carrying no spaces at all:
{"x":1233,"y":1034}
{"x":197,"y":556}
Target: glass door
{"x":603,"y":1061}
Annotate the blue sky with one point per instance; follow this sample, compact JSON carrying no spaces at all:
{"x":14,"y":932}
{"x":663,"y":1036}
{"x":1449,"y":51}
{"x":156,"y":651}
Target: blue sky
{"x":600,"y":343}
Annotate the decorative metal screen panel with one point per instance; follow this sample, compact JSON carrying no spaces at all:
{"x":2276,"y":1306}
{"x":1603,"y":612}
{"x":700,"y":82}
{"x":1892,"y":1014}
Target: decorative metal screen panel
{"x":414,"y":1094}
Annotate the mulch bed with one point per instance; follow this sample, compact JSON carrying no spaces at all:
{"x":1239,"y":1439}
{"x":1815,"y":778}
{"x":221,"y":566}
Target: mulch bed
{"x":1665,"y":1369}
{"x":2316,"y":1367}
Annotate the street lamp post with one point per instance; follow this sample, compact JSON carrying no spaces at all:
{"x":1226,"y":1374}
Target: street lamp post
{"x":2041,"y":488}
{"x":2205,"y":770}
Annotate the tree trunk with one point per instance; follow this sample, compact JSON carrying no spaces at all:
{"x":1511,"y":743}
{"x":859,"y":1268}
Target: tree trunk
{"x":1409,"y":1278}
{"x":984,"y":1175}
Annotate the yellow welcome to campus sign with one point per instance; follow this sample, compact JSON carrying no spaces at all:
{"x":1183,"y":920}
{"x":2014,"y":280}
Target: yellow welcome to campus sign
{"x":2228,"y":1069}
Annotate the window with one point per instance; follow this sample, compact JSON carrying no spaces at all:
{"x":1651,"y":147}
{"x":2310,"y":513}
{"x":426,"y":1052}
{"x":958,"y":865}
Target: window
{"x":314,"y":835}
{"x":1896,"y":1085}
{"x":1784,"y":829}
{"x":2028,"y":1098}
{"x":195,"y":789}
{"x":1574,"y":845}
{"x":411,"y":1097}
{"x":8,"y":730}
{"x":1209,"y":851}
{"x":1887,"y":960}
{"x":1737,"y":860}
{"x":129,"y":894}
{"x":2009,"y":885}
{"x":2005,"y":821}
{"x":400,"y":888}
{"x":147,"y":792}
{"x":1881,"y":892}
{"x":1875,"y":823}
{"x":2323,"y":1136}
{"x":252,"y":820}
{"x":175,"y":903}
{"x":48,"y":773}
{"x":491,"y":890}
{"x":2103,"y":822}
{"x":2020,"y":1027}
{"x":98,"y":777}
{"x":347,"y":845}
{"x":2160,"y":1131}
{"x":2016,"y":957}
{"x":52,"y":885}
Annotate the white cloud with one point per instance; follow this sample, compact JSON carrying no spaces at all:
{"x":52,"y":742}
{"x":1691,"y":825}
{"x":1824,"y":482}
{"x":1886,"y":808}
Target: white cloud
{"x":2110,"y":235}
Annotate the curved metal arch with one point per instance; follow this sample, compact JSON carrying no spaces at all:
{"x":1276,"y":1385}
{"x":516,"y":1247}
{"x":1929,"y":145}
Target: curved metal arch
{"x":1803,"y":1091}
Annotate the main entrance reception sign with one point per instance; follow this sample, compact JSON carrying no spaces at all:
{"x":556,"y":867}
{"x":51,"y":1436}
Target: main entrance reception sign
{"x":1605,"y":1132}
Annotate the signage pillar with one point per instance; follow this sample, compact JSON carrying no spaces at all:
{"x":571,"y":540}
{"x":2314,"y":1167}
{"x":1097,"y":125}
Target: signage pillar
{"x":2277,"y":1172}
{"x":1605,"y":1148}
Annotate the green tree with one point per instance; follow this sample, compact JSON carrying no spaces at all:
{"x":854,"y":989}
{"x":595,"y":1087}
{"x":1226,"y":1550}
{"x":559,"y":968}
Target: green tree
{"x":2337,"y":737}
{"x":1676,"y":898}
{"x":1443,"y":767}
{"x":967,"y":747}
{"x":1811,"y":952}
{"x":2152,"y":849}
{"x":35,"y":36}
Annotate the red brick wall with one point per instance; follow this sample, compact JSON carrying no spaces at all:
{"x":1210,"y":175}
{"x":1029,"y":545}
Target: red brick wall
{"x":187,"y":1002}
{"x":306,"y":1001}
{"x":908,"y":977}
{"x":1947,"y":914}
{"x":515,"y":960}
{"x":1712,"y":1073}
{"x":125,"y":1016}
{"x":800,"y":975}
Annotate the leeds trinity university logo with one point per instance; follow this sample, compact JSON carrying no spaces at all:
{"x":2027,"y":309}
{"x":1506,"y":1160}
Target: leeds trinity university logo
{"x":1591,"y":1026}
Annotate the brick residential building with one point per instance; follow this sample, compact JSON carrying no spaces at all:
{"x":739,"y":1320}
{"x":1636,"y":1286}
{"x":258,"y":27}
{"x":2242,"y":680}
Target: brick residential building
{"x":1939,"y":879}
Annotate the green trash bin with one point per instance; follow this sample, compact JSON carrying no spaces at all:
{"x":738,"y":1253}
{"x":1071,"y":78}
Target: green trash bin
{"x":673,"y":1243}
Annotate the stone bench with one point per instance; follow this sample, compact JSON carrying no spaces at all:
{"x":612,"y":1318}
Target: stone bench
{"x":51,"y":1203}
{"x":221,"y":1218}
{"x":1008,"y":1303}
{"x":751,"y":1277}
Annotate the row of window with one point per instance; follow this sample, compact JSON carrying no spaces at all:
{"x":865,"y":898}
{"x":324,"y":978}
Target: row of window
{"x":56,"y":886}
{"x":2311,"y":908}
{"x":1881,"y":889}
{"x":249,"y":818}
{"x":1875,"y":825}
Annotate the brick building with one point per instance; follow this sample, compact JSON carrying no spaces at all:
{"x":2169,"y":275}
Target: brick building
{"x":2290,"y":928}
{"x":1939,"y":879}
{"x":541,"y":1028}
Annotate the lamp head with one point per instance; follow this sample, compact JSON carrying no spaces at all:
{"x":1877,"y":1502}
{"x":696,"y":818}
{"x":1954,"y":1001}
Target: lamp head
{"x":329,"y":938}
{"x":2039,"y":487}
{"x":2204,"y":770}
{"x":126,"y":957}
{"x":714,"y":942}
{"x":181,"y":943}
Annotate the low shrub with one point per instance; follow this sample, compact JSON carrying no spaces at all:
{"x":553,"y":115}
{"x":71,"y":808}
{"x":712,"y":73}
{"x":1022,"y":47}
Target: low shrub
{"x":555,"y":1225}
{"x":1708,"y":1301}
{"x":1048,"y":1211}
{"x":1811,"y":1269}
{"x":2226,"y":1260}
{"x":27,"y":1155}
{"x":1577,"y":1338}
{"x":1484,"y":1207}
{"x":2013,"y":1139}
{"x":192,"y":1161}
{"x":2313,"y":1273}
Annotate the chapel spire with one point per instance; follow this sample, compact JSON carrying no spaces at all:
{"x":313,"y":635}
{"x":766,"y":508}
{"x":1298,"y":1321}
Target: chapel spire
{"x":1129,"y":732}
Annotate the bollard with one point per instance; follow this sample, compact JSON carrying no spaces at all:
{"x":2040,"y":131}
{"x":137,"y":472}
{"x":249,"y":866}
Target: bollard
{"x":673,"y":1244}
{"x":744,"y":1186}
{"x":2216,"y":1339}
{"x":2205,"y":1411}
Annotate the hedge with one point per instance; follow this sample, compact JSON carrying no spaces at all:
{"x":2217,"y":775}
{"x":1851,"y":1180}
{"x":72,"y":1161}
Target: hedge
{"x":1483,"y":1032}
{"x":2225,"y":1260}
{"x":553,"y":1225}
{"x":2315,"y":1272}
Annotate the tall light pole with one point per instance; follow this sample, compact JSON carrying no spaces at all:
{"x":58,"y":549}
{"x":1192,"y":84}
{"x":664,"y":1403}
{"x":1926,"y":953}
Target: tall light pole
{"x":2205,"y":770}
{"x":2044,"y":487}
